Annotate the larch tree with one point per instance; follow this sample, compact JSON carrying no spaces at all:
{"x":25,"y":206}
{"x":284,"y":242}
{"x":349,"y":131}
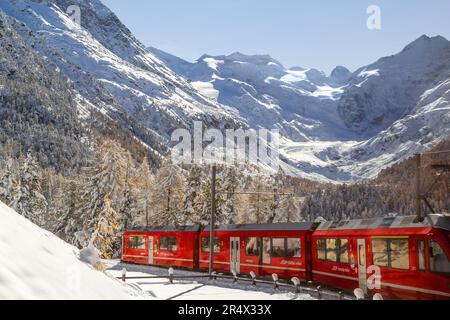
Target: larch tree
{"x":104,"y":180}
{"x":104,"y":235}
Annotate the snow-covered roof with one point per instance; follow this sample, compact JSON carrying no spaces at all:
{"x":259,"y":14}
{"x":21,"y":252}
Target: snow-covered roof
{"x":193,"y":228}
{"x":441,"y":221}
{"x":302,"y":226}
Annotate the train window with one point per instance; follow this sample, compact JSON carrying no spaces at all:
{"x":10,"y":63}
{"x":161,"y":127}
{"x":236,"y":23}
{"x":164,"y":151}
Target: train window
{"x":399,"y":254}
{"x":293,"y":248}
{"x":343,"y":250}
{"x":421,"y":254}
{"x":136,"y":242}
{"x":380,"y":252}
{"x":252,"y":246}
{"x":205,"y":244}
{"x":391,"y":253}
{"x":438,"y":259}
{"x":321,"y":249}
{"x":278,"y":247}
{"x":333,"y":250}
{"x":168,"y":244}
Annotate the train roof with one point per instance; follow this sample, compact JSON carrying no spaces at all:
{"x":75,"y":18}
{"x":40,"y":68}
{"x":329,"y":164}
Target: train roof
{"x":192,"y":228}
{"x":441,"y":221}
{"x":302,"y":226}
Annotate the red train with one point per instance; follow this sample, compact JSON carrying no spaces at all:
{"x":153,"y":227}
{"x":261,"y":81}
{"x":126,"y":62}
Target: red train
{"x":393,"y":256}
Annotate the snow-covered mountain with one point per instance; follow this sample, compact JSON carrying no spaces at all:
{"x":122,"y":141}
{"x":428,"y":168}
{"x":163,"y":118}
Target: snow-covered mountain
{"x":346,"y":126}
{"x":113,"y":70}
{"x":342,"y":127}
{"x":300,"y":102}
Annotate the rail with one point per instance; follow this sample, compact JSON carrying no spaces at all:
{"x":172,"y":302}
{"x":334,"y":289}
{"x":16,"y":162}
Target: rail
{"x":297,"y":285}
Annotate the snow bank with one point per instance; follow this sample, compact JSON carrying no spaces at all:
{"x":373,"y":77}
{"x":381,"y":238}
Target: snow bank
{"x":35,"y":264}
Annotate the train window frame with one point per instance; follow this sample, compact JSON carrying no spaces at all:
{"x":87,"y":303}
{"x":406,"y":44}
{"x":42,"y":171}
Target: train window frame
{"x":205,"y":248}
{"x":286,"y":249}
{"x":169,"y":247}
{"x":447,"y":272}
{"x":388,"y":241}
{"x":421,"y":255}
{"x":337,"y":250}
{"x":299,"y":248}
{"x":141,"y":245}
{"x":258,"y":247}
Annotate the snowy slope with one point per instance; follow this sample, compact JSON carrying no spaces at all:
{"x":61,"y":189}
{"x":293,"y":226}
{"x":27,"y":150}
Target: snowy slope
{"x":35,"y":264}
{"x":379,"y":94}
{"x":198,"y":288}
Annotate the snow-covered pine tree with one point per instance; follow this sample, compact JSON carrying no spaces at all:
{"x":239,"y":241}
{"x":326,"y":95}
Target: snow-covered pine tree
{"x":168,"y":196}
{"x":66,"y":206}
{"x":129,"y":206}
{"x":231,"y":200}
{"x":26,"y":194}
{"x":258,"y":204}
{"x":145,"y":185}
{"x":289,"y":210}
{"x":203,"y":215}
{"x":7,"y":180}
{"x":192,"y":206}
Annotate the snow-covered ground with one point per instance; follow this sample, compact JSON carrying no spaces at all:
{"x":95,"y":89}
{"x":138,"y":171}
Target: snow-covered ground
{"x":197,"y":288}
{"x":35,"y":264}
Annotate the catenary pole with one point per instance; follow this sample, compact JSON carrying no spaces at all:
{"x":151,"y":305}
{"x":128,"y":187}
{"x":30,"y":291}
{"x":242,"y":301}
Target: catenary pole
{"x":212,"y":220}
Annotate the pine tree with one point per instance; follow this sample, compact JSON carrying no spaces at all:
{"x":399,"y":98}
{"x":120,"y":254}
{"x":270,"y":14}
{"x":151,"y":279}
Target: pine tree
{"x":145,"y":188}
{"x":67,"y":204}
{"x":231,"y":203}
{"x":289,"y":210}
{"x":128,"y":207}
{"x":168,"y":196}
{"x":258,"y":202}
{"x":191,"y":201}
{"x":7,"y":180}
{"x":26,"y":194}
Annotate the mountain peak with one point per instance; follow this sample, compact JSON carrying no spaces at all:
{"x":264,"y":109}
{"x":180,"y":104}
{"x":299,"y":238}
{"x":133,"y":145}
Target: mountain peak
{"x":426,"y":42}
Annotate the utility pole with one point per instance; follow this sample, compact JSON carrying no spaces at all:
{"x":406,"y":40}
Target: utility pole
{"x":212,"y":220}
{"x":418,"y":191}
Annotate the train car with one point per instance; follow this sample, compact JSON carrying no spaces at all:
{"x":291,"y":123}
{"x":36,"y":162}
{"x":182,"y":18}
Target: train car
{"x":393,"y":256}
{"x":162,"y":246}
{"x":262,"y":248}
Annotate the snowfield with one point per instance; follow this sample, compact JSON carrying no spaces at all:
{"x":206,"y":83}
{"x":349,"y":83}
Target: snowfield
{"x":197,"y":288}
{"x":35,"y":264}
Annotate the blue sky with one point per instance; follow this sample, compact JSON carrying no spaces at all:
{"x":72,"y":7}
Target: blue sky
{"x":319,"y":33}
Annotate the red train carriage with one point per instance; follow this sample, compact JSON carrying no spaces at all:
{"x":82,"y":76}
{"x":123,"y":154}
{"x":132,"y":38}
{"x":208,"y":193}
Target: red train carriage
{"x":393,"y":256}
{"x":162,"y":246}
{"x":261,"y":248}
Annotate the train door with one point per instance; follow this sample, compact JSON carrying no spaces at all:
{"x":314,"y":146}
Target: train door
{"x":235,"y":254}
{"x":362,"y":265}
{"x":150,"y":249}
